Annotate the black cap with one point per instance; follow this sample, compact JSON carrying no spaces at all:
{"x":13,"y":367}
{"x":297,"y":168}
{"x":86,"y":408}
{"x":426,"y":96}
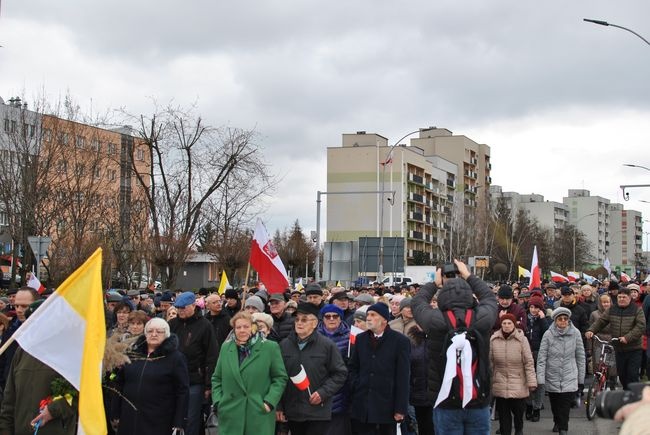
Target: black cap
{"x":566,"y":291}
{"x":307,"y":308}
{"x":231,"y":293}
{"x":505,"y":292}
{"x":313,"y":289}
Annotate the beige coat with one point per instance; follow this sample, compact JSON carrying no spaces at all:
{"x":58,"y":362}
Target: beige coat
{"x":513,"y":369}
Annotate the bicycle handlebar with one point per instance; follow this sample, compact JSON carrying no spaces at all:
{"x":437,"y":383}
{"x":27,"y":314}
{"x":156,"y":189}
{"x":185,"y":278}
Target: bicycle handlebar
{"x":611,"y":341}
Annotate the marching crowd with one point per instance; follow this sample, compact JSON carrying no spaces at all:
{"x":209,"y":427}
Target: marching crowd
{"x":445,"y":357}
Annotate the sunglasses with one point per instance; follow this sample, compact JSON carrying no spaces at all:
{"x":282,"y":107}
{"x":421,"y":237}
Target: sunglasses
{"x":331,"y":316}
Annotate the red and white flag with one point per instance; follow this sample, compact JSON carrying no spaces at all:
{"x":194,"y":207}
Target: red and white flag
{"x":573,"y":276}
{"x":267,"y":262}
{"x":535,"y":272}
{"x":301,"y":381}
{"x":35,"y":283}
{"x":556,"y":277}
{"x":625,"y":277}
{"x":354,"y":331}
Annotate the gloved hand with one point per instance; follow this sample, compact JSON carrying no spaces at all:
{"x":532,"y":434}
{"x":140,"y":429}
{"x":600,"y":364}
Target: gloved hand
{"x":581,"y":388}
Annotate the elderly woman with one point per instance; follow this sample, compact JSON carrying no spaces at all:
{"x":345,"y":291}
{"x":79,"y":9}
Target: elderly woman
{"x":513,"y":374}
{"x":121,"y":313}
{"x":154,"y":386}
{"x":333,"y":327}
{"x":248,"y":382}
{"x":561,"y":366}
{"x":264,"y":323}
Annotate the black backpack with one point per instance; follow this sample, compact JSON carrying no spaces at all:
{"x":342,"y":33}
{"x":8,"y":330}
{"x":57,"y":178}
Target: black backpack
{"x":481,"y":384}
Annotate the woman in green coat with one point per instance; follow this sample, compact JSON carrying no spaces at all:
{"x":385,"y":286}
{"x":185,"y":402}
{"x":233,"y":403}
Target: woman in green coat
{"x":248,"y":381}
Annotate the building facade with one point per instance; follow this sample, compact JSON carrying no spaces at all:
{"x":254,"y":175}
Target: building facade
{"x":626,"y":239}
{"x":590,"y":215}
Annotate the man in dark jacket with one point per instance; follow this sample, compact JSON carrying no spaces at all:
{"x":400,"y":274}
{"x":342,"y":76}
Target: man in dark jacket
{"x":380,"y":370}
{"x":627,"y":322}
{"x":579,"y":316}
{"x":199,"y":345}
{"x":218,"y":318}
{"x":505,"y":297}
{"x":538,"y":323}
{"x":308,"y":407}
{"x":457,"y":298}
{"x":282,"y":321}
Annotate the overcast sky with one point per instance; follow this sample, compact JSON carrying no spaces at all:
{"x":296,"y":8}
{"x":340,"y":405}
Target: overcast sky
{"x":562,"y":103}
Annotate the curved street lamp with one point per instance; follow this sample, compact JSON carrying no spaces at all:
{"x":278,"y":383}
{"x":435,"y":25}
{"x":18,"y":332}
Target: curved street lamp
{"x":630,"y":165}
{"x":605,"y":23}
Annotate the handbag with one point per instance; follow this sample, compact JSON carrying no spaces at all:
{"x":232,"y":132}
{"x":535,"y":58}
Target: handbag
{"x":212,"y":424}
{"x":177,"y":431}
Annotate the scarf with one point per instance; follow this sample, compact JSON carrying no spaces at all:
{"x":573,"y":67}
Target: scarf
{"x":459,"y":352}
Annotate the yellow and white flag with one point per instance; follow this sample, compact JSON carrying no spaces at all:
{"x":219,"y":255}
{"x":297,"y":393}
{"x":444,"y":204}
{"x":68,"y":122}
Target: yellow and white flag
{"x":223,"y":284}
{"x":68,"y":333}
{"x":299,"y":285}
{"x":523,"y":272}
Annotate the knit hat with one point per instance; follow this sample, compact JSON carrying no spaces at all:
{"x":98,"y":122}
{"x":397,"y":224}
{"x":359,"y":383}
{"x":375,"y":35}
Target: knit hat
{"x":381,"y":309}
{"x":536,"y":301}
{"x":508,"y":316}
{"x":360,"y":314}
{"x":255,"y":302}
{"x":365,"y":298}
{"x":456,"y":293}
{"x":331,"y":308}
{"x":263,"y":317}
{"x":263,"y":295}
{"x":505,"y":292}
{"x":559,"y":311}
{"x":406,"y":302}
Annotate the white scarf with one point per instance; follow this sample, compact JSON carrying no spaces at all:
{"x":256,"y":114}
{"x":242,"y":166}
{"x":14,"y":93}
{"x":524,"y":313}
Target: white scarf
{"x":459,"y":345}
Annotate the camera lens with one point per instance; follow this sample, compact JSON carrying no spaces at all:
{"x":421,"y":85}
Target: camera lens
{"x":608,"y":402}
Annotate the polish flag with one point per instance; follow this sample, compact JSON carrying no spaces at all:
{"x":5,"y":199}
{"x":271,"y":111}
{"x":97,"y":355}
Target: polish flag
{"x":35,"y":283}
{"x":625,"y":277}
{"x":588,"y":278}
{"x":267,"y":262}
{"x":556,"y":277}
{"x":354,"y":331}
{"x":301,"y":381}
{"x":535,"y":272}
{"x":573,"y":276}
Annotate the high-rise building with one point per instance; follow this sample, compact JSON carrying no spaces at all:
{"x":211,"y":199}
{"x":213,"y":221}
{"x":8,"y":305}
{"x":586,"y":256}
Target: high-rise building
{"x":590,"y":215}
{"x":425,"y":180}
{"x":625,"y":239}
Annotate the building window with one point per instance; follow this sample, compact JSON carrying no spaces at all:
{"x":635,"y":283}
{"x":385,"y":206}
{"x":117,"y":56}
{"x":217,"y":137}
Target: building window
{"x":32,"y":130}
{"x":7,"y":125}
{"x":64,"y":138}
{"x":4,"y":219}
{"x":79,"y":170}
{"x":111,"y":149}
{"x":213,"y":273}
{"x":80,"y":141}
{"x":96,"y":145}
{"x":139,"y":154}
{"x":62,"y":167}
{"x":98,"y":172}
{"x":111,"y":174}
{"x":47,"y":135}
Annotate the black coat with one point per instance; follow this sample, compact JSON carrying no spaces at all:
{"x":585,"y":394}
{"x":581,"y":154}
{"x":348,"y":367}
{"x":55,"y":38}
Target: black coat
{"x":379,"y":377}
{"x":326,"y":372}
{"x":158,"y":387}
{"x":418,"y":394}
{"x":221,"y":326}
{"x":197,"y":342}
{"x":536,"y":329}
{"x":283,"y":325}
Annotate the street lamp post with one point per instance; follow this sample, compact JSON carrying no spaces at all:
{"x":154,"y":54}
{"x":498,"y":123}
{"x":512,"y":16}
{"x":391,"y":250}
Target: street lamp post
{"x":575,"y":230}
{"x":380,"y":272}
{"x":636,"y":166}
{"x":605,"y":23}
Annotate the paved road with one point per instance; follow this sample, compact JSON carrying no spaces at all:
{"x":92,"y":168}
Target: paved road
{"x":578,"y":423}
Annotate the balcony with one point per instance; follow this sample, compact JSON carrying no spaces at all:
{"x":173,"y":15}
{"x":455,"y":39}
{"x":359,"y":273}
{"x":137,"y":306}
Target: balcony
{"x":417,"y":235}
{"x":416,"y":179}
{"x":473,"y":161}
{"x":415,"y":216}
{"x":447,"y":210}
{"x":451,"y":183}
{"x":416,"y":197}
{"x":488,"y":179}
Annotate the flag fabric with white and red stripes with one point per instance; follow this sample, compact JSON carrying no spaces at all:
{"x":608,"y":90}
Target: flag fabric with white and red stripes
{"x":573,"y":276}
{"x":535,"y":272}
{"x":354,"y":331}
{"x":267,"y":262}
{"x":556,"y":277}
{"x":301,"y":380}
{"x":625,"y":277}
{"x":35,"y":283}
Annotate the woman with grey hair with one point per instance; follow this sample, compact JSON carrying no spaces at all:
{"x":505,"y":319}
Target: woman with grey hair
{"x":154,"y":386}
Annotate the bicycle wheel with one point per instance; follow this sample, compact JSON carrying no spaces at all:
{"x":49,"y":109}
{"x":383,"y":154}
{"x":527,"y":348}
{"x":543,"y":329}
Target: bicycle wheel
{"x":590,"y":403}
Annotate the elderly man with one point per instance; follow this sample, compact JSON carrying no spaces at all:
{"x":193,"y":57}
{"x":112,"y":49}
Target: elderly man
{"x":505,"y":297}
{"x":314,"y":294}
{"x":218,"y":318}
{"x":628,"y":322}
{"x":199,"y":345}
{"x":308,"y":408}
{"x":404,"y":320}
{"x":282,"y":321}
{"x":379,"y":376}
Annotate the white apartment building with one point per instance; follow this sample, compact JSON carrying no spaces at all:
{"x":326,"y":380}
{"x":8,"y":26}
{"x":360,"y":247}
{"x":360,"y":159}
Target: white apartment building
{"x":625,"y":238}
{"x":590,"y":215}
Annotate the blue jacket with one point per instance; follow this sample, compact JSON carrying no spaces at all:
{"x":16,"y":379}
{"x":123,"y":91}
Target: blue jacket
{"x":340,"y":337}
{"x":379,"y":377}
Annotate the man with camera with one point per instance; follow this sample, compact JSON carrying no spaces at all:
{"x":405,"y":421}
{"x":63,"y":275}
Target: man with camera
{"x":627,"y":322}
{"x":461,"y":329}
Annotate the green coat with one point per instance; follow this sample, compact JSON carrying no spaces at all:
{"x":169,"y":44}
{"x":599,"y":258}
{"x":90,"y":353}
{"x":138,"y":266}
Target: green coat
{"x":240,"y":391}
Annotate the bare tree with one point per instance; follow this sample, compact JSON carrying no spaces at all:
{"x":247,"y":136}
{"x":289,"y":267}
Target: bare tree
{"x":190,"y":163}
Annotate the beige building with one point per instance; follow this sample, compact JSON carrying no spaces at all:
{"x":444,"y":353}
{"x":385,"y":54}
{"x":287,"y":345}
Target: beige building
{"x":423,"y":180}
{"x":590,"y":215}
{"x":626,"y":238}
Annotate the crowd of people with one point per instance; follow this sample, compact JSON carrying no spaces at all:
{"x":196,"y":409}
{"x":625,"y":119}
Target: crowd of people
{"x":446,"y":357}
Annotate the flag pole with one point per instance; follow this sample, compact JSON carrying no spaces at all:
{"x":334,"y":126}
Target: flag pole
{"x":6,"y":344}
{"x":244,"y":294}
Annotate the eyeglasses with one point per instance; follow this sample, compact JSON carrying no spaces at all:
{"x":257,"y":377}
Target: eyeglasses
{"x":562,"y":319}
{"x":331,"y":316}
{"x":155,"y":331}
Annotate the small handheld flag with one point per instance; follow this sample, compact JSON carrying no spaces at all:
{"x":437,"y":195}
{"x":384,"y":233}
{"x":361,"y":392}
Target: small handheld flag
{"x":301,"y":381}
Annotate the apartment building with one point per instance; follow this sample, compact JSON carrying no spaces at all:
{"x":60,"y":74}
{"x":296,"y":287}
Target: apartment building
{"x":590,"y":215}
{"x":626,"y":239}
{"x":426,"y":182}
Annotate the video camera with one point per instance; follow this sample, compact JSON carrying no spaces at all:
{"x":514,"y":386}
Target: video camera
{"x":608,"y":402}
{"x":450,"y":270}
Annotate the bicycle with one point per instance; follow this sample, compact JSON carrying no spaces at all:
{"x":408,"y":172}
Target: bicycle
{"x":601,"y":374}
